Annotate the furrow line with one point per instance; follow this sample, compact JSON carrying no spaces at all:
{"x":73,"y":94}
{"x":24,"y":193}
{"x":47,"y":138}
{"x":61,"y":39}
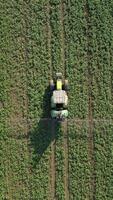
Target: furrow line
{"x":66,"y":164}
{"x":49,"y":39}
{"x":64,"y":124}
{"x":24,"y":40}
{"x":90,"y":114}
{"x":8,"y":171}
{"x":63,"y":56}
{"x":52,"y":157}
{"x":52,"y":163}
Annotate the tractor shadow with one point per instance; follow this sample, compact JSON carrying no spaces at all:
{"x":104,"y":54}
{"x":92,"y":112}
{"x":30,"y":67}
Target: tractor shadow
{"x":41,"y":135}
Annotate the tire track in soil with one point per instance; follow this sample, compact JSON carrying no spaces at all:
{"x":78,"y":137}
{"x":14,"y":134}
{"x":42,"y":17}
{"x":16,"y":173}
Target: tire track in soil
{"x":53,"y":144}
{"x":52,"y":162}
{"x":8,"y":174}
{"x":63,"y":54}
{"x":64,"y":124}
{"x":66,"y":173}
{"x":90,"y":109}
{"x":111,"y":81}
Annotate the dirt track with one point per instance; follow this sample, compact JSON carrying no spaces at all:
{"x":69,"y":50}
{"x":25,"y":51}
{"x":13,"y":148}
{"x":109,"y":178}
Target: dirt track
{"x":90,"y":107}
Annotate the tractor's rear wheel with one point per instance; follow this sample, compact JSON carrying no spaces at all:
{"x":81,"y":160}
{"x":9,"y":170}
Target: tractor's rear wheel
{"x":52,"y":85}
{"x":66,"y":85}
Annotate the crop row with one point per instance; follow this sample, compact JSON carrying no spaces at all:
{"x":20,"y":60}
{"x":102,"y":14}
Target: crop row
{"x":37,"y":80}
{"x":25,"y":61}
{"x":57,"y":47}
{"x":37,"y":75}
{"x":56,"y":42}
{"x":101,"y":45}
{"x":76,"y":58}
{"x":17,"y":67}
{"x":77,"y":72}
{"x":103,"y":142}
{"x":14,"y":153}
{"x":6,"y":48}
{"x":79,"y":162}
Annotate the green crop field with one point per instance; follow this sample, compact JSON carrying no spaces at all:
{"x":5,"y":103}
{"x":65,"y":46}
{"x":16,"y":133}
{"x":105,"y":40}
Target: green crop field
{"x":41,"y":159}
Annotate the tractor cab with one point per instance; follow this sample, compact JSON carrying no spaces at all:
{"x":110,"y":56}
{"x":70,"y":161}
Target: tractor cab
{"x":59,"y":98}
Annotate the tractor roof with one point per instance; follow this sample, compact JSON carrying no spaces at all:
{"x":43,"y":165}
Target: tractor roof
{"x":59,"y":85}
{"x":59,"y":96}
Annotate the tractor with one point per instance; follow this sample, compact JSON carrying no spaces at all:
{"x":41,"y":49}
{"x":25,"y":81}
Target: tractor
{"x":59,"y":97}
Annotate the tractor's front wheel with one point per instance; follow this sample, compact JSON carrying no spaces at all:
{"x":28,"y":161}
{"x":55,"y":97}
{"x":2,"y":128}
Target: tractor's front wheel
{"x":52,"y":85}
{"x":66,"y":85}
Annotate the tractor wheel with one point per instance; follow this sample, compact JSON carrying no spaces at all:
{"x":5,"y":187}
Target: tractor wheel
{"x":52,"y":85}
{"x":66,"y":85}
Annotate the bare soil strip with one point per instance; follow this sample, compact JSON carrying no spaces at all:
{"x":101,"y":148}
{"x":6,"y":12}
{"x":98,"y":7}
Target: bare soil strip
{"x":52,"y":157}
{"x":90,"y":114}
{"x":63,"y":62}
{"x":66,"y":164}
{"x":91,"y":149}
{"x":111,"y":78}
{"x":8,"y":174}
{"x":52,"y":163}
{"x":49,"y":38}
{"x":64,"y":124}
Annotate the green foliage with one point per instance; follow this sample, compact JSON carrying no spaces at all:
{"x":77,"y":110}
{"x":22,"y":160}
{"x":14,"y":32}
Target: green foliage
{"x":27,"y":61}
{"x":104,"y":160}
{"x":76,"y":59}
{"x":79,"y":162}
{"x":101,"y":43}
